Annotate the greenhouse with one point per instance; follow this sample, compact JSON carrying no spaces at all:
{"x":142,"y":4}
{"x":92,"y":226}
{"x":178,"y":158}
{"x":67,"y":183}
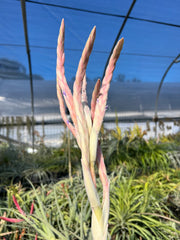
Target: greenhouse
{"x":89,"y":119}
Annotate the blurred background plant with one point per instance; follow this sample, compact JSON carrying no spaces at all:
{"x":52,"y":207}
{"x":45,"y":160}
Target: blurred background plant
{"x":46,"y":165}
{"x":133,"y":150}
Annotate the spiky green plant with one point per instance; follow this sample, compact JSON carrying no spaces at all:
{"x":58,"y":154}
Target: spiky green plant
{"x":139,"y":207}
{"x":138,"y":211}
{"x":86,"y":125}
{"x":133,"y":150}
{"x":60,"y":211}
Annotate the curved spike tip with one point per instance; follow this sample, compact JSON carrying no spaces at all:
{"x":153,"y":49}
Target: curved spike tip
{"x":118,"y":48}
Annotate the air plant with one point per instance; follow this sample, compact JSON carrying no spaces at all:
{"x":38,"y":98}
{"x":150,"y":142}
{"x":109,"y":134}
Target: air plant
{"x":85,"y":125}
{"x":17,"y":220}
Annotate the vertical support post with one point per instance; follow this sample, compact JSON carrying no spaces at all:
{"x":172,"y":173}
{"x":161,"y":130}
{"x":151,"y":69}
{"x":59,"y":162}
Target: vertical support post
{"x":23,"y":8}
{"x":175,"y":60}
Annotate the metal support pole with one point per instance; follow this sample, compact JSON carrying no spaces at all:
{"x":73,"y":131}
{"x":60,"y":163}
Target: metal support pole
{"x":158,"y":91}
{"x":23,"y":7}
{"x":119,"y":33}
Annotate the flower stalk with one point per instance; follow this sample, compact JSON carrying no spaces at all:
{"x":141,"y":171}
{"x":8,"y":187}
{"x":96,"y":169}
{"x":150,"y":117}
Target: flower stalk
{"x":86,"y":124}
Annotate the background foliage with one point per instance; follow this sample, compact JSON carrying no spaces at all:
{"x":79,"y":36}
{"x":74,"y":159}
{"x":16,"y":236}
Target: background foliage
{"x":145,"y":189}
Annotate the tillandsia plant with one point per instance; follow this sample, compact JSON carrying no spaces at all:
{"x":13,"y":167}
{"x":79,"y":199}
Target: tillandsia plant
{"x":86,"y":124}
{"x":17,"y":220}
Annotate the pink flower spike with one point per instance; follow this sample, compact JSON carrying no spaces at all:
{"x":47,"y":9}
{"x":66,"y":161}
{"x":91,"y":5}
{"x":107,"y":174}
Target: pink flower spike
{"x":12,"y":220}
{"x":36,"y":237}
{"x":60,"y":71}
{"x":63,"y":111}
{"x":32,"y":208}
{"x":17,"y":205}
{"x":103,"y":92}
{"x":95,"y":95}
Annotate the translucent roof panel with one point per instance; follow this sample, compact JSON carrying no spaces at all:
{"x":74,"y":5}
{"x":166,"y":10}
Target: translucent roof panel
{"x":158,"y":10}
{"x":149,"y":46}
{"x":11,"y":24}
{"x":104,"y":7}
